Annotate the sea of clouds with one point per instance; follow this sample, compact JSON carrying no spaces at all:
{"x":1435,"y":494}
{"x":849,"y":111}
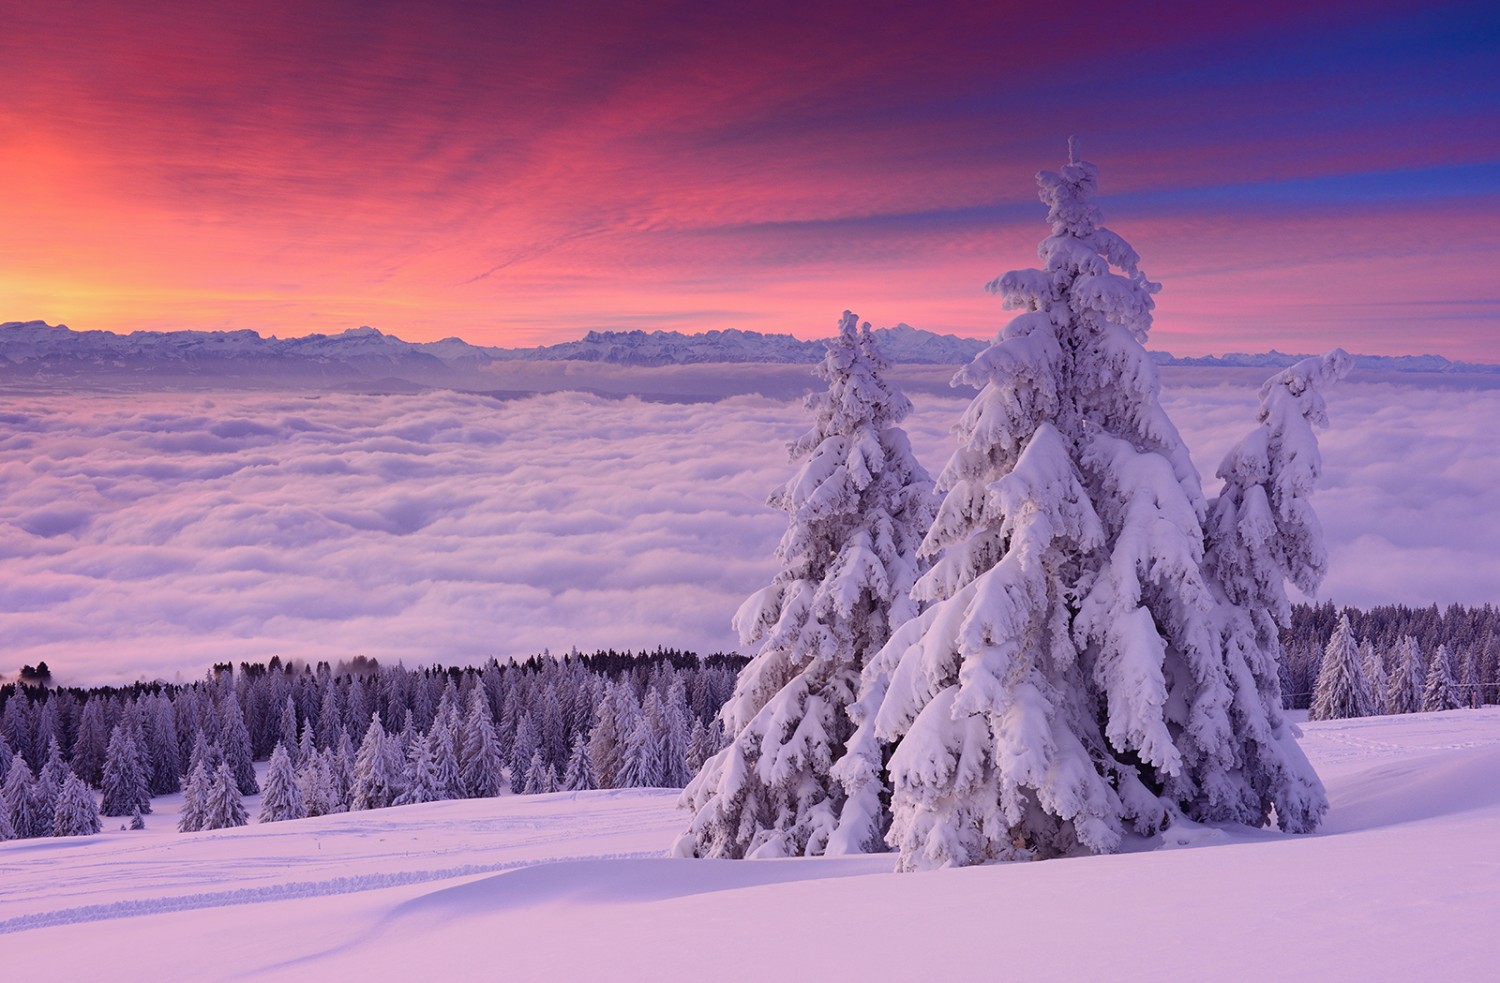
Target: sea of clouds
{"x":150,"y":535}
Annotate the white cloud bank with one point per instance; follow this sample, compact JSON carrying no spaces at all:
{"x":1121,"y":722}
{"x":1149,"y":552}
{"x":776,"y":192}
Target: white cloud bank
{"x":153,"y":535}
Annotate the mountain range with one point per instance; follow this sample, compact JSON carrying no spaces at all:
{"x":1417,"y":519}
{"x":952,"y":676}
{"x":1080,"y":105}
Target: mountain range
{"x":36,"y":352}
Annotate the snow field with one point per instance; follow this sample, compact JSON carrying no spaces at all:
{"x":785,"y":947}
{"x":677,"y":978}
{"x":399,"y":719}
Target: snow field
{"x":1402,"y":883}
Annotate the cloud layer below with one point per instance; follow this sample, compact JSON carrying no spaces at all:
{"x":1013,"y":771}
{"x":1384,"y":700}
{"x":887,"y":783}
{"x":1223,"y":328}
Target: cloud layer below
{"x":151,"y":536}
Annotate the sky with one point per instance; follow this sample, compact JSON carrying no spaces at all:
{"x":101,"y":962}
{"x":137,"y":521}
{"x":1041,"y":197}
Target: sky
{"x":1298,"y":175}
{"x":152,"y":535}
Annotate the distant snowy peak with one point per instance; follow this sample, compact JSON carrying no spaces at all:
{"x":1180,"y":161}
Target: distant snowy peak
{"x":34,"y":351}
{"x":1279,"y":360}
{"x":902,"y":343}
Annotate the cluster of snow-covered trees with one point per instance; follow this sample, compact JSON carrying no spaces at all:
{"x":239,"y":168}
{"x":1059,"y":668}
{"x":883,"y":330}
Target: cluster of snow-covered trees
{"x":1073,"y":645}
{"x":1397,"y":651}
{"x":1355,"y":676}
{"x":365,"y":737}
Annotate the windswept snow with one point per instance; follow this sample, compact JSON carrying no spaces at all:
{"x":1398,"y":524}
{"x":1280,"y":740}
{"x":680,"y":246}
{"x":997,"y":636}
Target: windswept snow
{"x":1401,"y":883}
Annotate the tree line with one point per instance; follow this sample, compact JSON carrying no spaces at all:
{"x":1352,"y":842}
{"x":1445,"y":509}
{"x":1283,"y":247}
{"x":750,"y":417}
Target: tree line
{"x":359,"y":736}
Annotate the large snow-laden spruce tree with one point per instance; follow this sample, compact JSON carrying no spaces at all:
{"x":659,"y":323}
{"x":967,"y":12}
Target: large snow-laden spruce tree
{"x":1262,"y":532}
{"x":859,"y":504}
{"x":1069,"y":682}
{"x":1341,"y":690}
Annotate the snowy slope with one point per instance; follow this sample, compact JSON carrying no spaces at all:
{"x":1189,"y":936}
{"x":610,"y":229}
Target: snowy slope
{"x":1401,"y":885}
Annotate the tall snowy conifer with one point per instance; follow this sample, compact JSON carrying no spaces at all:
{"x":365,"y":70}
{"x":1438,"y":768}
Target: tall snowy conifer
{"x":18,"y":800}
{"x":1408,"y":678}
{"x":1340,"y":691}
{"x":858,"y":506}
{"x":77,"y":812}
{"x":282,"y":798}
{"x":1441,"y":691}
{"x":377,"y":769}
{"x":125,"y":782}
{"x":1080,"y":674}
{"x":479,"y":761}
{"x":223,"y":805}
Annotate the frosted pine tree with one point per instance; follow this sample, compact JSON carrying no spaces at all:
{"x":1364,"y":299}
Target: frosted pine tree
{"x":234,"y":741}
{"x":124,"y":786}
{"x":444,"y":760}
{"x":377,"y":769}
{"x":223,"y":806}
{"x":1070,"y":681}
{"x":282,"y":798}
{"x":858,"y":506}
{"x":421,"y":783}
{"x":195,"y":797}
{"x":578,"y":776}
{"x":535,"y":781}
{"x":1408,"y":678}
{"x":1377,"y":682}
{"x":1340,"y":691}
{"x":92,"y":742}
{"x":479,"y":760}
{"x":1441,"y":691}
{"x":77,"y":811}
{"x":642,"y":765}
{"x":18,"y":800}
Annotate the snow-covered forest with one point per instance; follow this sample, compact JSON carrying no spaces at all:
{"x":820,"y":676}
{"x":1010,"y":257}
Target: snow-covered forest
{"x":362,"y":736}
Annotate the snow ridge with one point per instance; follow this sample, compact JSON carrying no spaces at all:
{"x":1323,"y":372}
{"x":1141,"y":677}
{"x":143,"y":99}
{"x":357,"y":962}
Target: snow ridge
{"x":347,"y":884}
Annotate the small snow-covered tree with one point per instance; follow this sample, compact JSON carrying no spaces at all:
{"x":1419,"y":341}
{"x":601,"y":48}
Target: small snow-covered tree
{"x":195,"y":798}
{"x":479,"y":761}
{"x":1377,"y":682}
{"x":535,"y":782}
{"x":318,"y":799}
{"x":422,"y":782}
{"x":125,"y":788}
{"x":1408,"y":678}
{"x":223,"y":806}
{"x":578,"y":776}
{"x":92,"y":742}
{"x":607,"y":740}
{"x":18,"y":800}
{"x":377,"y":769}
{"x":858,"y":507}
{"x":446,"y":777}
{"x":1441,"y":691}
{"x":77,"y":811}
{"x":282,"y":797}
{"x":1340,"y":691}
{"x":643,"y":766}
{"x":234,"y":741}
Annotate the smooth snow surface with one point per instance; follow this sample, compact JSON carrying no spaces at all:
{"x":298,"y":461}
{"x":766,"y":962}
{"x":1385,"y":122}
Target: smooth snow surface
{"x":1402,"y":884}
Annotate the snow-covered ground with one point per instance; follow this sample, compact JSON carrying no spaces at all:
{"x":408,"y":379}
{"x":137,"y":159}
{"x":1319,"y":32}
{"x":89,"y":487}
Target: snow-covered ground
{"x":1402,"y":883}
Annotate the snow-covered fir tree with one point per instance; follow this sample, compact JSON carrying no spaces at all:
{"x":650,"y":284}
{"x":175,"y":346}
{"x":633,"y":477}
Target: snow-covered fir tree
{"x":479,"y":760}
{"x":1377,"y":681}
{"x":578,"y":775}
{"x":422,"y":782}
{"x":1441,"y":690}
{"x":1079,"y":673}
{"x":282,"y":796}
{"x":77,"y":811}
{"x":18,"y":800}
{"x":858,"y":507}
{"x":535,"y":782}
{"x":223,"y":805}
{"x":377,"y":769}
{"x":607,"y":739}
{"x":124,"y":786}
{"x":234,"y":741}
{"x":195,"y":797}
{"x":1408,"y":678}
{"x":642,"y":764}
{"x":1340,"y":691}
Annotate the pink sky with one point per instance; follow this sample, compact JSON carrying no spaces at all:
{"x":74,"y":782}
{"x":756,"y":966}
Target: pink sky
{"x":1298,"y":176}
